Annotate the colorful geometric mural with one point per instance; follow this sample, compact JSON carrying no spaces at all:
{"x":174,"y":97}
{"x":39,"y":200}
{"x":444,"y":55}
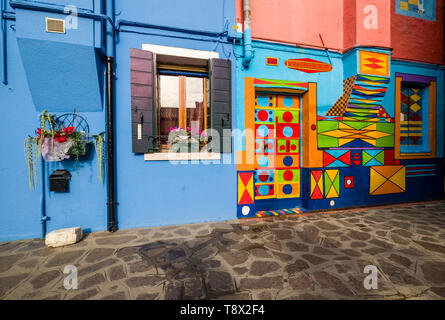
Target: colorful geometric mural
{"x":415,"y":120}
{"x":280,"y":84}
{"x":349,"y":182}
{"x":245,"y":188}
{"x":358,"y":119}
{"x":332,"y":183}
{"x":386,"y":180}
{"x":373,"y":158}
{"x":348,"y":153}
{"x":357,"y":131}
{"x":356,"y":157}
{"x":350,"y":133}
{"x":420,"y":170}
{"x":411,"y":117}
{"x":316,"y":184}
{"x":339,"y":107}
{"x":308,"y":65}
{"x":336,"y":158}
{"x":374,"y":63}
{"x":271,"y":213}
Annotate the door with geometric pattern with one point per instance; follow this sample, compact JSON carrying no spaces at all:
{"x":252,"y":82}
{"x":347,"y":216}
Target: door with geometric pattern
{"x":277,"y":147}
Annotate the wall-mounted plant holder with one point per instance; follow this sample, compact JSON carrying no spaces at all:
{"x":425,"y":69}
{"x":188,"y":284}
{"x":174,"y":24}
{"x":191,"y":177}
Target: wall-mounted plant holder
{"x":81,"y":148}
{"x":61,"y":138}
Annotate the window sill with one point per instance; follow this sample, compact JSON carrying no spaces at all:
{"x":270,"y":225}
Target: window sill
{"x":170,"y":156}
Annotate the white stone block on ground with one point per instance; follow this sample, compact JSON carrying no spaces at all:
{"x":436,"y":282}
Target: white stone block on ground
{"x":63,"y":237}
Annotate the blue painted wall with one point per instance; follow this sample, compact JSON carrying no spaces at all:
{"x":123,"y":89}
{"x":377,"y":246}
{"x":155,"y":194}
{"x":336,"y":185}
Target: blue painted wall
{"x":150,"y":193}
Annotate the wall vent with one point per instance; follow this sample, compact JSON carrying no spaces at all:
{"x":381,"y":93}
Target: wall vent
{"x":55,"y":25}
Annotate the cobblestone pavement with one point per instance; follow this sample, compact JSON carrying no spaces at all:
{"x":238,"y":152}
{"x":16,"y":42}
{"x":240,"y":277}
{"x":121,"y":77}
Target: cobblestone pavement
{"x":314,"y":256}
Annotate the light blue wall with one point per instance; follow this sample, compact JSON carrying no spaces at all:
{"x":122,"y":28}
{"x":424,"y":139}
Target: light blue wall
{"x":329,"y":89}
{"x":20,"y":208}
{"x":148,"y":193}
{"x":329,"y":84}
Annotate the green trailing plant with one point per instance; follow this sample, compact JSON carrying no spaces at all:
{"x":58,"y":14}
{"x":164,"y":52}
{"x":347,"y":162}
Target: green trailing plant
{"x":45,"y":118}
{"x":31,"y":151}
{"x":99,"y":147}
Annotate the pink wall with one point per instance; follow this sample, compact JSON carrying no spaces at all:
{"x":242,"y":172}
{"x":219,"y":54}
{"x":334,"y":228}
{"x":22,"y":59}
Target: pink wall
{"x":297,"y":21}
{"x":417,"y":39}
{"x":373,"y":23}
{"x":347,"y":23}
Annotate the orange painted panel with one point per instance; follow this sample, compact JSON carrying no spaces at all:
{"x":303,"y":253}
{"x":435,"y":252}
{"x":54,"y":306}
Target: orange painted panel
{"x":312,"y":157}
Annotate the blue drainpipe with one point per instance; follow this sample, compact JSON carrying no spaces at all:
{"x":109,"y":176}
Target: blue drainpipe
{"x":44,"y":217}
{"x":109,"y":7}
{"x":248,"y":51}
{"x":4,"y":43}
{"x":110,"y":117}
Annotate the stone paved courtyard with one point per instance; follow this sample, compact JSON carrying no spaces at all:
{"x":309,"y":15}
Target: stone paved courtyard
{"x":314,"y":256}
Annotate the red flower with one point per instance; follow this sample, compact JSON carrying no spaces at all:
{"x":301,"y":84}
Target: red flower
{"x":60,"y":138}
{"x":39,"y":132}
{"x":69,"y":130}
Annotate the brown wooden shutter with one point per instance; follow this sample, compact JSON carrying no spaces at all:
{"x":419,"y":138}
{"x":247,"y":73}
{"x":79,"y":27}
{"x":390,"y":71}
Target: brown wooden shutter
{"x":143,"y":101}
{"x":221,"y":100}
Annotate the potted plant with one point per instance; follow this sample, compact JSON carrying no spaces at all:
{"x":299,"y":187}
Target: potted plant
{"x":183,"y":140}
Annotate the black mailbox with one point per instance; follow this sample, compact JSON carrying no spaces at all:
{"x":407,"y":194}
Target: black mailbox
{"x":59,"y":181}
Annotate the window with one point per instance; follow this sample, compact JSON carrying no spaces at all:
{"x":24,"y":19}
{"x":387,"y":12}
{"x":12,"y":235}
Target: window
{"x":415,"y":118}
{"x":169,"y":91}
{"x":182,"y":104}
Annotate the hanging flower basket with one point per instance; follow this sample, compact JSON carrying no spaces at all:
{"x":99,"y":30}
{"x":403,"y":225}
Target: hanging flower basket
{"x":57,"y":142}
{"x":81,"y":149}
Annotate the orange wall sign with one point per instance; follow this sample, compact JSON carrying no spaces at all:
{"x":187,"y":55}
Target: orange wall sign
{"x":271,"y":61}
{"x":308,"y":65}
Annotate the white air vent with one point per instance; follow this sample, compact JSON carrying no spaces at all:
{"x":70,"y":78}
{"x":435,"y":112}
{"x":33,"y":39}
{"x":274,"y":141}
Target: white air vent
{"x":55,"y":25}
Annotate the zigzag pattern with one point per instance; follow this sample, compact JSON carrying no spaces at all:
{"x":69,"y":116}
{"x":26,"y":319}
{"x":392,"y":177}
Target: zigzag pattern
{"x":271,"y":213}
{"x":362,"y":97}
{"x":358,"y":118}
{"x":339,"y":107}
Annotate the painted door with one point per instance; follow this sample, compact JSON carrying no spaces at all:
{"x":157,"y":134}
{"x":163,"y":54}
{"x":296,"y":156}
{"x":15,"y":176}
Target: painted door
{"x":277,"y":149}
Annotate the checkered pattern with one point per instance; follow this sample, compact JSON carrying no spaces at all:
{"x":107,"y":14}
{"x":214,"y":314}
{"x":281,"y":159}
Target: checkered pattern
{"x":339,"y":108}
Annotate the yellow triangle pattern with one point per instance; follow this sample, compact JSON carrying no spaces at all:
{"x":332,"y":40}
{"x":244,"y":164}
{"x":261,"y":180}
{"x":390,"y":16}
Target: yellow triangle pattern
{"x":242,"y":188}
{"x":387,"y":180}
